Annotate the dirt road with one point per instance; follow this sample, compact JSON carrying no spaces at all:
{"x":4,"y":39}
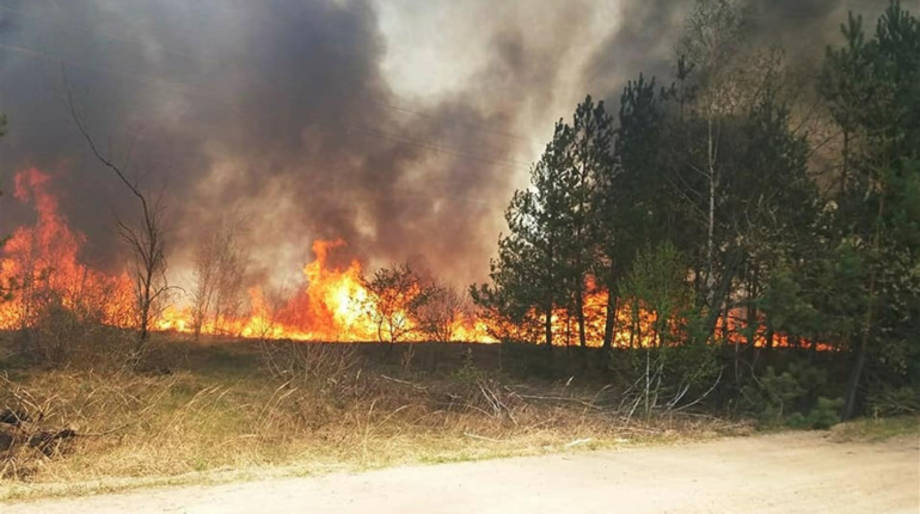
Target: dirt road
{"x":791,"y":472}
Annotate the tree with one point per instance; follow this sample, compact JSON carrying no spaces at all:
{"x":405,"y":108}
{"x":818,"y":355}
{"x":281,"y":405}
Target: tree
{"x":220,"y":265}
{"x":145,"y":239}
{"x":437,"y":316}
{"x":661,"y":299}
{"x":590,"y":150}
{"x":630,"y":207}
{"x":710,"y":44}
{"x":531,"y":269}
{"x":396,"y":295}
{"x":735,"y":165}
{"x":872,"y":88}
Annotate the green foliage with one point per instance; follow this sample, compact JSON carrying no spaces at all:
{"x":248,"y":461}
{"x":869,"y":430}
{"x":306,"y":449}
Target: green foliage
{"x":468,"y":373}
{"x":699,"y":204}
{"x":657,"y":283}
{"x":667,"y":372}
{"x":792,"y":398}
{"x":890,"y":401}
{"x":825,"y":414}
{"x":872,"y":87}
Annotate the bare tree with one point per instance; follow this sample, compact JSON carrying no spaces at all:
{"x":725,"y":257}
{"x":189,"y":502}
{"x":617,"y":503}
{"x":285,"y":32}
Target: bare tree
{"x":205,"y":278}
{"x":396,"y":295}
{"x":220,"y":264}
{"x":710,"y":42}
{"x":145,"y":239}
{"x":437,"y":316}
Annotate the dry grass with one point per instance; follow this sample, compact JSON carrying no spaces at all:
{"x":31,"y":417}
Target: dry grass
{"x":230,"y":411}
{"x":876,"y":430}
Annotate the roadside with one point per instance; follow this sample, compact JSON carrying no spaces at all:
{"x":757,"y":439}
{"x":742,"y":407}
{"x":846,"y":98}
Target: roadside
{"x":783,"y":472}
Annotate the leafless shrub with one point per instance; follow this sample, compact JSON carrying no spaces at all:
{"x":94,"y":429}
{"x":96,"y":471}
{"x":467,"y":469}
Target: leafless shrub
{"x":220,"y":265}
{"x":406,"y":358}
{"x":438,"y":315}
{"x":309,"y":362}
{"x":60,"y":326}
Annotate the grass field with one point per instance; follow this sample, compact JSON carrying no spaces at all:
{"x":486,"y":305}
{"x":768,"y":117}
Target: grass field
{"x":222,"y":410}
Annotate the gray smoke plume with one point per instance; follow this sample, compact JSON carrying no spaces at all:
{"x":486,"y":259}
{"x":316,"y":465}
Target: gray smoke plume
{"x":278,"y":113}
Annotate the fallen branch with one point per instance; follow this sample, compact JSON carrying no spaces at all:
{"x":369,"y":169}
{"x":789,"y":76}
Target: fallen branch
{"x":404,"y":382}
{"x":698,"y":400}
{"x":560,"y":399}
{"x":578,"y":442}
{"x":481,"y":437}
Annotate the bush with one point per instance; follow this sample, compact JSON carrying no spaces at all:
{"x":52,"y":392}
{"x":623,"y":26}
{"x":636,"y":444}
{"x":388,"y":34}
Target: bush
{"x":59,"y":336}
{"x":468,"y":373}
{"x":667,"y":377}
{"x":889,"y":401}
{"x":791,"y":398}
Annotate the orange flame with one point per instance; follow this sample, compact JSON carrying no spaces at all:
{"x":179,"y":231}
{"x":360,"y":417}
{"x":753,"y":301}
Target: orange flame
{"x":40,"y":263}
{"x":41,"y":266}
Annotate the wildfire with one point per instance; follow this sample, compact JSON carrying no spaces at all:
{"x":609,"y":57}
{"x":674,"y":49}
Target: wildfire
{"x":40,"y":264}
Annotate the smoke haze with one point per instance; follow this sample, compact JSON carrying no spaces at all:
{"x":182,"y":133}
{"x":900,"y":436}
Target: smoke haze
{"x":398,"y":128}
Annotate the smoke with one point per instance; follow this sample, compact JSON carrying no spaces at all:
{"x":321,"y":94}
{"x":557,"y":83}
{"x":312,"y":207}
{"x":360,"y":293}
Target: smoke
{"x":281,"y":116}
{"x":647,"y":36}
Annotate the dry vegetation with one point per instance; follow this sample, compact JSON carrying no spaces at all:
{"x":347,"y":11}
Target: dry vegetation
{"x":218,"y":410}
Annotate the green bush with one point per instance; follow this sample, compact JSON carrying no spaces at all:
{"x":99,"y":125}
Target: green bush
{"x":825,"y":414}
{"x":791,"y":398}
{"x":468,"y":373}
{"x":890,"y":401}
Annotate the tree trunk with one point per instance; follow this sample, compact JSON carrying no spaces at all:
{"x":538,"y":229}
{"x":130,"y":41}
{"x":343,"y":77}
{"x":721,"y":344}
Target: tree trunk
{"x":548,"y":326}
{"x":610,"y":322}
{"x":580,"y":306}
{"x":711,"y":222}
{"x":849,"y":408}
{"x":145,"y":315}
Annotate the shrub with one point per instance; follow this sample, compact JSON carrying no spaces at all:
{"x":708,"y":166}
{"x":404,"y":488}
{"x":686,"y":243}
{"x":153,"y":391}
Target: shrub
{"x":890,"y":401}
{"x":468,"y":373}
{"x":791,"y":398}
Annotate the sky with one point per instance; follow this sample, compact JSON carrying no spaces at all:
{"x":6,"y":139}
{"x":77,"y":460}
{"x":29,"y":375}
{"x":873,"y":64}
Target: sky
{"x":400,"y":126}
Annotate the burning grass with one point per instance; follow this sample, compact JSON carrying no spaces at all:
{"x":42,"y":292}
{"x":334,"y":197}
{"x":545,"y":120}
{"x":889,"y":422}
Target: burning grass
{"x":221,"y":410}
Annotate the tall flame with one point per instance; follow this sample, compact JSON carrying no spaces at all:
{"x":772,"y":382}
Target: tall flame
{"x":40,"y":264}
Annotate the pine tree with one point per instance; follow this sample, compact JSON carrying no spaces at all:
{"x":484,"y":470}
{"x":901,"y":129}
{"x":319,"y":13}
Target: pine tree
{"x":530,"y":270}
{"x":590,"y":159}
{"x":872,"y":88}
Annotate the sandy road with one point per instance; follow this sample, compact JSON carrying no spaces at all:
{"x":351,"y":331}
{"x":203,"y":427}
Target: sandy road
{"x":790,"y":472}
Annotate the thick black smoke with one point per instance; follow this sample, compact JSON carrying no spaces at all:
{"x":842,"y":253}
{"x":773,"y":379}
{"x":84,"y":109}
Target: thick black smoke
{"x":277,"y":113}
